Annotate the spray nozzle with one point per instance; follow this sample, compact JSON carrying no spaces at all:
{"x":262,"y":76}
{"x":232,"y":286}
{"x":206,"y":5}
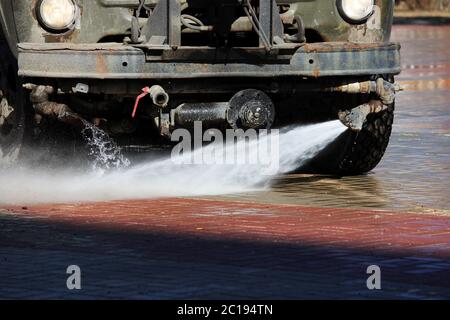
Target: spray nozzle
{"x":158,"y":95}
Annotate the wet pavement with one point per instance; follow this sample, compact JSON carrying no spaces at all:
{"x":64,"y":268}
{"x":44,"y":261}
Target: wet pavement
{"x":308,"y":237}
{"x":414,"y":175}
{"x":197,"y":249}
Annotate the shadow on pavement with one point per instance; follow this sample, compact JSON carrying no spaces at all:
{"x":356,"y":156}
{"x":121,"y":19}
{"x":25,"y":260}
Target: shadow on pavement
{"x":119,"y":264}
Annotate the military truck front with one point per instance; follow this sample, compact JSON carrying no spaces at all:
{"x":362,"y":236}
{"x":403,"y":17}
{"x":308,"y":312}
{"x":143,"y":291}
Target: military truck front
{"x":144,"y":68}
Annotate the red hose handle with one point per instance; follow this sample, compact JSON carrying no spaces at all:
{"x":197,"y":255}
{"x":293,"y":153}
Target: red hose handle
{"x":145,"y":91}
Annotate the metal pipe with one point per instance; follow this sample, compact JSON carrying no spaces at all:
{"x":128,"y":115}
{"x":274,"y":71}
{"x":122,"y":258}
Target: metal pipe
{"x":39,"y":97}
{"x":384,"y":89}
{"x":159,"y":96}
{"x":213,"y":113}
{"x":247,"y":109}
{"x":355,"y":118}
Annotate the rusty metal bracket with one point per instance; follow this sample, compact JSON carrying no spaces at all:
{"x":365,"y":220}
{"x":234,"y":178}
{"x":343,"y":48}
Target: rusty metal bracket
{"x":163,"y":27}
{"x":270,"y":19}
{"x":268,"y":25}
{"x":106,"y":61}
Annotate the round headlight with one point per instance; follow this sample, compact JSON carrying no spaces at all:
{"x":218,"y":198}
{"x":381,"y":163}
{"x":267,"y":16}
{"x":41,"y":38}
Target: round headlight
{"x":356,"y":11}
{"x":56,"y":15}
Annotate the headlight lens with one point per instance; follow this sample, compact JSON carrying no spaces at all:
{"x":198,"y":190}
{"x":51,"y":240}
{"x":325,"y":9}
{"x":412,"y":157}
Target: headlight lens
{"x":356,"y":11}
{"x":57,"y":15}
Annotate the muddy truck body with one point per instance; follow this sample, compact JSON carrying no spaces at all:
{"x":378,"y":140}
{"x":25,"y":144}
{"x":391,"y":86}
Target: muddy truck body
{"x":142,"y":69}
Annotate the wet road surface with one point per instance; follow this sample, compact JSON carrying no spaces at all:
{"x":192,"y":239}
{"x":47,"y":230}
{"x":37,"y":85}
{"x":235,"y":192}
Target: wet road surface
{"x":197,"y":249}
{"x":414,"y":175}
{"x":309,"y":237}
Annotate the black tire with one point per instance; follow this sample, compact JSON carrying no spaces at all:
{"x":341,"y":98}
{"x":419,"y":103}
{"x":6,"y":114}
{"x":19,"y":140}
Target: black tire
{"x":358,"y":153}
{"x":12,"y":131}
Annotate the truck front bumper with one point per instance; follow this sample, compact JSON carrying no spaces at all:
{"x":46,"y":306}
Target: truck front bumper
{"x":113,"y":61}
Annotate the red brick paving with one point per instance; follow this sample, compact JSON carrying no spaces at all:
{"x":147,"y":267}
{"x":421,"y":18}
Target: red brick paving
{"x":375,"y":230}
{"x":185,"y":248}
